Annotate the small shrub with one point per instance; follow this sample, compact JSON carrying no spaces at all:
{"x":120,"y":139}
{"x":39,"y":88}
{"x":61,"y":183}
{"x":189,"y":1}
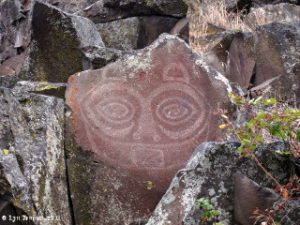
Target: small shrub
{"x":209,"y":211}
{"x":269,"y":121}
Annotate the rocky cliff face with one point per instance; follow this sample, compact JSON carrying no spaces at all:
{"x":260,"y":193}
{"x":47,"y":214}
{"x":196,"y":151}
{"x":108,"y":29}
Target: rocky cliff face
{"x":105,"y":120}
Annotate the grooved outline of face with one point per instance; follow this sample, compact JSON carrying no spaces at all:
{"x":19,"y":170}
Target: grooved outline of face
{"x":146,"y":122}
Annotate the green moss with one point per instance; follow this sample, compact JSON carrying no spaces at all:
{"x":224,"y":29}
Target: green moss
{"x":46,"y":86}
{"x":80,"y":178}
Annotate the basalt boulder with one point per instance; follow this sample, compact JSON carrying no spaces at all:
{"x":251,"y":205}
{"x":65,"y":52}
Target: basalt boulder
{"x":276,"y":54}
{"x":134,"y":32}
{"x":98,"y":56}
{"x":217,"y":172}
{"x":266,"y":61}
{"x":215,"y":47}
{"x":137,"y":121}
{"x":12,"y":66}
{"x":109,"y":10}
{"x":32,"y":154}
{"x":14,"y":35}
{"x":283,"y":12}
{"x":241,"y":60}
{"x":57,"y":37}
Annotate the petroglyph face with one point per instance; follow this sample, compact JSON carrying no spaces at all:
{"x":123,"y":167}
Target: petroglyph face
{"x":145,"y":121}
{"x":145,"y":118}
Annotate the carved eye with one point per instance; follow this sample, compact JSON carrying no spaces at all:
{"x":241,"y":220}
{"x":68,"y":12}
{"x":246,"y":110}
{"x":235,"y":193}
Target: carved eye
{"x":112,"y":113}
{"x":115,"y":111}
{"x":174,"y":110}
{"x":178,"y":114}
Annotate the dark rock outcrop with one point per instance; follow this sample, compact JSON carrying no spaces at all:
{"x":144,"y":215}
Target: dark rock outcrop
{"x":241,"y":60}
{"x":98,"y":56}
{"x":267,"y":59}
{"x":14,"y":32}
{"x":134,"y":32}
{"x":32,"y":153}
{"x":276,"y":54}
{"x":56,"y":41}
{"x":109,"y":10}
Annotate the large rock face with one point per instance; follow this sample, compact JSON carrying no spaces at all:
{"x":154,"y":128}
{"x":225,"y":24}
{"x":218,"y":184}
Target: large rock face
{"x":143,"y":116}
{"x":56,"y":41}
{"x":32,"y":153}
{"x":276,"y":48}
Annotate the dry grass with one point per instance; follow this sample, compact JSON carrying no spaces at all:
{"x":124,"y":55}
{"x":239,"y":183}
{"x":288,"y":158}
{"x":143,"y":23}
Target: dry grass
{"x":210,"y":16}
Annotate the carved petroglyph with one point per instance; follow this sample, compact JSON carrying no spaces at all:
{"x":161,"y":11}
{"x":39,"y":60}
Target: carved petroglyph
{"x":146,"y":113}
{"x":144,"y":122}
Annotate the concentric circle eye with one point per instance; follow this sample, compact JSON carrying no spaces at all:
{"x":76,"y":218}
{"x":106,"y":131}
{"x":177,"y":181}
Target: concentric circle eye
{"x":112,"y":113}
{"x":116,"y":111}
{"x":174,"y":110}
{"x":178,"y":114}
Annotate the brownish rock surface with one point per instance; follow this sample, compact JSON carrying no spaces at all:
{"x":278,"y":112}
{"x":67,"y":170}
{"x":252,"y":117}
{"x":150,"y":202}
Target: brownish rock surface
{"x":144,"y":115}
{"x":241,"y":60}
{"x":12,"y":66}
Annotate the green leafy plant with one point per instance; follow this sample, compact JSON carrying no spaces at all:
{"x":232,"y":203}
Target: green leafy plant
{"x":269,"y":120}
{"x":209,"y":211}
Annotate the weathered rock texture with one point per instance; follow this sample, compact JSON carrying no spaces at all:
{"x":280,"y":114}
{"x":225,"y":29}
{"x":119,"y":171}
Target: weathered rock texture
{"x":248,"y":197}
{"x":12,"y":66}
{"x":267,"y":59}
{"x":277,"y":54}
{"x":98,"y":56}
{"x":109,"y":10}
{"x":134,"y":32}
{"x":141,"y":117}
{"x":71,"y":6}
{"x":209,"y":173}
{"x":215,"y":47}
{"x":14,"y":35}
{"x":241,"y":60}
{"x":272,"y":13}
{"x":32,"y":153}
{"x":56,"y":41}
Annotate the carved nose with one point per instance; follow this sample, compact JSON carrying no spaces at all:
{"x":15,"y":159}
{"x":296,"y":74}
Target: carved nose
{"x":146,"y":131}
{"x":146,"y":136}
